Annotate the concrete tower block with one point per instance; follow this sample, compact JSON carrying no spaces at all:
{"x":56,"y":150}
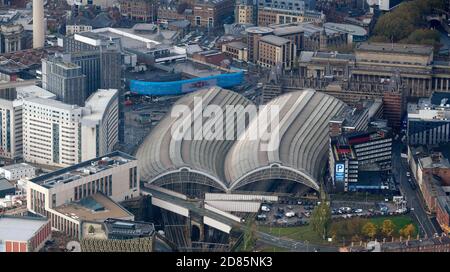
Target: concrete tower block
{"x":38,"y":24}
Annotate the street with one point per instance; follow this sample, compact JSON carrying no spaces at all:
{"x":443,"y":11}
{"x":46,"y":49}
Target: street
{"x":413,"y":197}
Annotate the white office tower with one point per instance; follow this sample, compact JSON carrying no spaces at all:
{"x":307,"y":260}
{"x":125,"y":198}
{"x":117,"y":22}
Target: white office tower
{"x":51,"y":132}
{"x":58,"y":134}
{"x":38,"y":24}
{"x":100,"y":124}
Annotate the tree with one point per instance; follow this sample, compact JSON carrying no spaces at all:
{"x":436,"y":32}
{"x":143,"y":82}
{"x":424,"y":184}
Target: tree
{"x":321,"y":219}
{"x":91,"y":229}
{"x":370,"y":230}
{"x":387,"y":228}
{"x":407,"y":231}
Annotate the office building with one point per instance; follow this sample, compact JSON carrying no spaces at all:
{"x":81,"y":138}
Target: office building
{"x":269,"y":16}
{"x":139,"y":10}
{"x":65,"y":80}
{"x":23,"y":234}
{"x":429,"y":120}
{"x":273,"y":51}
{"x":11,"y":111}
{"x":18,"y":171}
{"x":72,"y":29}
{"x":211,"y":13}
{"x":87,"y":191}
{"x":11,"y":38}
{"x":100,"y":124}
{"x":116,"y":235}
{"x":246,"y":12}
{"x":51,"y":132}
{"x":236,"y":50}
{"x":59,"y":134}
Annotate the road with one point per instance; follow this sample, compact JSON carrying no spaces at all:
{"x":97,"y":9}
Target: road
{"x":196,"y":207}
{"x":413,"y":197}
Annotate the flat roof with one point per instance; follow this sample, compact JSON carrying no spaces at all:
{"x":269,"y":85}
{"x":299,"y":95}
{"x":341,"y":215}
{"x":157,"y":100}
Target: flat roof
{"x":351,"y":29}
{"x":275,"y":40}
{"x":237,"y":45}
{"x":20,"y":228}
{"x":33,"y":90}
{"x":16,"y":166}
{"x":80,"y":212}
{"x":288,"y":30}
{"x":259,"y":30}
{"x":5,"y":184}
{"x":98,"y":103}
{"x":395,"y":48}
{"x":85,"y":168}
{"x":52,"y":103}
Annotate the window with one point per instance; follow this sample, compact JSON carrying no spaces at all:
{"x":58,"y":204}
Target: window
{"x":197,"y":20}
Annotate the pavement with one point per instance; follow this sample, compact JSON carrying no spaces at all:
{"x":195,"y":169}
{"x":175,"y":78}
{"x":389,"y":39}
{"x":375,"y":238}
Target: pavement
{"x":414,"y":198}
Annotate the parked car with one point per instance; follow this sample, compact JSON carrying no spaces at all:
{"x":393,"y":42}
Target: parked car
{"x":264,"y":208}
{"x":358,"y":210}
{"x":289,"y":214}
{"x":261,"y":217}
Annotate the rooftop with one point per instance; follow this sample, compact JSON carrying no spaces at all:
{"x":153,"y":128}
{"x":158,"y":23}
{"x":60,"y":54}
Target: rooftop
{"x":5,"y":184}
{"x":281,"y":31}
{"x":237,"y":45}
{"x":51,"y":103}
{"x":17,"y":166}
{"x":275,"y":40}
{"x":33,"y":90}
{"x":117,"y":228}
{"x":259,"y":30}
{"x":348,"y":28}
{"x":98,"y":103}
{"x":395,"y":48}
{"x":96,"y":207}
{"x":19,"y":228}
{"x":83,"y":169}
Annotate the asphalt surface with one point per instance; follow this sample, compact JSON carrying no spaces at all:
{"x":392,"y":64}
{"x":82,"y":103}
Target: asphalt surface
{"x":414,"y":198}
{"x":266,"y":238}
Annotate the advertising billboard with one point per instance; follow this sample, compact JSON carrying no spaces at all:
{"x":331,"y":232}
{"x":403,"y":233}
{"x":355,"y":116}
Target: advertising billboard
{"x":339,"y":172}
{"x":194,"y":86}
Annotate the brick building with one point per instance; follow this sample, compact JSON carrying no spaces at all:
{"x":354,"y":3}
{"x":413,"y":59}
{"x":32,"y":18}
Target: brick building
{"x":139,"y":10}
{"x":211,"y":13}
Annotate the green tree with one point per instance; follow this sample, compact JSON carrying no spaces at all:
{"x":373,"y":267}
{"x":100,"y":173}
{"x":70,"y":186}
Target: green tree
{"x":321,"y":219}
{"x":91,"y":229}
{"x":387,"y":228}
{"x":407,"y":231}
{"x":370,"y":230}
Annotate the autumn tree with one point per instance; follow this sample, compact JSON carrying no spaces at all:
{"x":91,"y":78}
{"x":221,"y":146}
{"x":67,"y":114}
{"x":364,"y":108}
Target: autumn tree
{"x":407,"y":231}
{"x":370,"y":230}
{"x":321,"y":219}
{"x":387,"y":228}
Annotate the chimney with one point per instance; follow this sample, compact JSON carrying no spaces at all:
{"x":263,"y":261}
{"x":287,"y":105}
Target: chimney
{"x":38,"y":24}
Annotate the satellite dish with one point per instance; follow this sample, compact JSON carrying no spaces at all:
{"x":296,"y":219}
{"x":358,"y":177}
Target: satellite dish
{"x":73,"y":246}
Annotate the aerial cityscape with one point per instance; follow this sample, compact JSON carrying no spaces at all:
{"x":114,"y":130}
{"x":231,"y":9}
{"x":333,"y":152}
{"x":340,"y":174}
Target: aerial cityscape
{"x":225,"y":126}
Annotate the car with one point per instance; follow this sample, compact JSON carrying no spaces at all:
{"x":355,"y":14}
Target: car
{"x":281,"y":210}
{"x":289,"y":214}
{"x":265,"y":208}
{"x":408,"y":174}
{"x":261,"y":217}
{"x":278,"y":215}
{"x":289,"y":207}
{"x":358,"y":210}
{"x":299,"y":203}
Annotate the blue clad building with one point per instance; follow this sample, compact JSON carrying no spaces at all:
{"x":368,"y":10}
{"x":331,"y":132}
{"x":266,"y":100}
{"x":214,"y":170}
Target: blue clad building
{"x":185,"y":86}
